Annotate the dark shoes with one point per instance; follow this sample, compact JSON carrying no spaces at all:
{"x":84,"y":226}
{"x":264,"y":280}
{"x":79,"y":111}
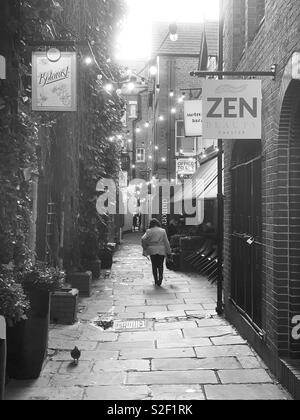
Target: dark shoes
{"x":158,"y":282}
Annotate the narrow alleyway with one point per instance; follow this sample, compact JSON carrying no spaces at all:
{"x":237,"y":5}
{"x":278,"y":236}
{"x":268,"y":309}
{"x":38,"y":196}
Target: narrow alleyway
{"x":176,"y":347}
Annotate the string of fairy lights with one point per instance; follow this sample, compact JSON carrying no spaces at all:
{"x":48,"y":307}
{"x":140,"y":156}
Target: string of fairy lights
{"x":130,"y":83}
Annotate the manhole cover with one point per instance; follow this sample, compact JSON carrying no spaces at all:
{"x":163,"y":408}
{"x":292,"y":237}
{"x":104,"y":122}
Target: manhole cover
{"x":104,"y":324}
{"x":130,"y":324}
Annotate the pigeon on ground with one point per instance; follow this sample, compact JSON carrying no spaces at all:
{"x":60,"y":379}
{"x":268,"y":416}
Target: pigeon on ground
{"x":75,"y":354}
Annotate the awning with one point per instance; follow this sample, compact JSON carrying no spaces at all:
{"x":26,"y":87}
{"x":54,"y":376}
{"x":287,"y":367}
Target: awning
{"x":204,"y":183}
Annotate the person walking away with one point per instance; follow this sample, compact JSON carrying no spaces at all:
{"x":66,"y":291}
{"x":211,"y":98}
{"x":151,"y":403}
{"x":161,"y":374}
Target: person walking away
{"x":155,"y":244}
{"x":134,"y":222}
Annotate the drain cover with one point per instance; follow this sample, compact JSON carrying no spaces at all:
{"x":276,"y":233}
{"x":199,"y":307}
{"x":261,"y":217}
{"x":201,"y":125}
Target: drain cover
{"x":130,"y":324}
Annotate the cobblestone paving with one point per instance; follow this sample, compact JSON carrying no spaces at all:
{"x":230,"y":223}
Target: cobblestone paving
{"x":180,"y":349}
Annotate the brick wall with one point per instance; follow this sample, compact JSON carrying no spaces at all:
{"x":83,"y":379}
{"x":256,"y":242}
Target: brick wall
{"x":273,"y":43}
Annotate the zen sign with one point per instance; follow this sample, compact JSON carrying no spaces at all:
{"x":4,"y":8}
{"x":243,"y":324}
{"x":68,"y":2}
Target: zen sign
{"x":232,"y":109}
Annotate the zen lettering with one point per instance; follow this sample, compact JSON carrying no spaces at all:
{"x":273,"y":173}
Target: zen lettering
{"x":232,"y":108}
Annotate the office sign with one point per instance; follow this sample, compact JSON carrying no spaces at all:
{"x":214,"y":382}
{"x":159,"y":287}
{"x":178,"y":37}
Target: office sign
{"x":54,"y":82}
{"x":232,"y":109}
{"x":193,"y":118}
{"x":185,"y":166}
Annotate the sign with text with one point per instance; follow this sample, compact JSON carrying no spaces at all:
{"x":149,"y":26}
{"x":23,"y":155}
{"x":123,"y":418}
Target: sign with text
{"x":193,"y":118}
{"x":2,"y":67}
{"x":54,"y":82}
{"x":185,"y":166}
{"x":232,"y":109}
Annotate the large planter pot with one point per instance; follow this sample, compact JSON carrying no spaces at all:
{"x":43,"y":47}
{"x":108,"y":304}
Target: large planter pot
{"x":2,"y":356}
{"x":27,"y":341}
{"x":82,"y":282}
{"x":64,"y":305}
{"x":106,"y":257}
{"x":94,"y":266}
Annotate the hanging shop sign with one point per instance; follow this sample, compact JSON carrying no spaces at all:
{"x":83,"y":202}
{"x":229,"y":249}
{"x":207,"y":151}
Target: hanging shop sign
{"x":54,"y":81}
{"x":296,"y":65}
{"x":193,"y":118}
{"x":185,"y":166}
{"x":232,"y":109}
{"x":123,"y":179}
{"x":2,"y":67}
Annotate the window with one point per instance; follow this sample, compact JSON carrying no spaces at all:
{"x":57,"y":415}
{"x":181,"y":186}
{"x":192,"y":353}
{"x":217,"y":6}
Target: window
{"x":140,"y":155}
{"x":184,"y":146}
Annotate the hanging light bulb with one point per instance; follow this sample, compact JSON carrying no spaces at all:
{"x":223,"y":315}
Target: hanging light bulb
{"x":138,"y":130}
{"x":173,"y":32}
{"x":163,"y":159}
{"x":156,"y":147}
{"x":173,"y":110}
{"x":150,"y":157}
{"x":108,"y":87}
{"x":161,"y":118}
{"x":181,"y":98}
{"x":153,"y":70}
{"x":171,"y":94}
{"x":147,"y":124}
{"x":88,"y":60}
{"x":130,"y":86}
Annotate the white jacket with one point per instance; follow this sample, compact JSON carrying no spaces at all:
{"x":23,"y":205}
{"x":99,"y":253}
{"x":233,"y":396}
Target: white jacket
{"x":155,"y":241}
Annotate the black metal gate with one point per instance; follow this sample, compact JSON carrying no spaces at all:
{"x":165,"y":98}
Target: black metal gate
{"x":246,"y":290}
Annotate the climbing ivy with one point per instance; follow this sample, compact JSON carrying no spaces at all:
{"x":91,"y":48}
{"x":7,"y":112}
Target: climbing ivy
{"x":27,"y":22}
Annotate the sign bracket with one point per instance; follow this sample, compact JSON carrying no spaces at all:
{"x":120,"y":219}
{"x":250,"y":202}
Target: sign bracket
{"x":219,"y":74}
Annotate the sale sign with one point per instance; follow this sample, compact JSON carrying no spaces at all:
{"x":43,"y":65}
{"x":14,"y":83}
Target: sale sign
{"x":54,"y":82}
{"x":232,"y":109}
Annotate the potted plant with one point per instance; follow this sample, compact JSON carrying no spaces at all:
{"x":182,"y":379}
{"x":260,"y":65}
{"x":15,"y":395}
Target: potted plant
{"x":13,"y":307}
{"x":27,"y":340}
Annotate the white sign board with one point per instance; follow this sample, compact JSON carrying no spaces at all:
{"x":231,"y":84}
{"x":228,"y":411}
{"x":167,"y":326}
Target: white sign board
{"x":296,"y":65}
{"x":193,"y":118}
{"x":54,"y":82}
{"x":123,"y":179}
{"x":232,"y":109}
{"x":185,"y":166}
{"x":2,"y":67}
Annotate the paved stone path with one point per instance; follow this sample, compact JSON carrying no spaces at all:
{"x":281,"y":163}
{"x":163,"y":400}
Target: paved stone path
{"x":179,"y":350}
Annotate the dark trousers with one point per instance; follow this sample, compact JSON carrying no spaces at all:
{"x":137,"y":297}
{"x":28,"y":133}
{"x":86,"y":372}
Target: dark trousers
{"x":157,"y":267}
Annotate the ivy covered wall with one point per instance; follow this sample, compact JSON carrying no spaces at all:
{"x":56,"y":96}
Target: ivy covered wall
{"x":64,"y":153}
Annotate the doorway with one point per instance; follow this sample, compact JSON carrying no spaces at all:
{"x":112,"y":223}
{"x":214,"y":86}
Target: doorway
{"x":246,"y":247}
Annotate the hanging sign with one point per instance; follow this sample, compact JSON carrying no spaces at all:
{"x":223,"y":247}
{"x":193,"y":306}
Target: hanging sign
{"x":54,"y":82}
{"x":232,"y":109}
{"x":2,"y":67}
{"x":296,"y":65}
{"x":123,"y":179}
{"x":185,"y":166}
{"x":193,"y":118}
